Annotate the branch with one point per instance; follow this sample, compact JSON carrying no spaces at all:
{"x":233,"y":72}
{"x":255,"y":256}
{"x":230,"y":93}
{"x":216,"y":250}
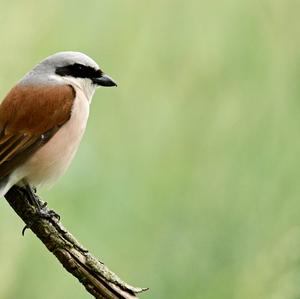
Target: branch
{"x":93,"y":274}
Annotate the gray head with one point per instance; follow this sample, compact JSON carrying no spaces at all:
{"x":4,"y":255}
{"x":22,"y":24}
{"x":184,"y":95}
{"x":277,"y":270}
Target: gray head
{"x":68,"y":68}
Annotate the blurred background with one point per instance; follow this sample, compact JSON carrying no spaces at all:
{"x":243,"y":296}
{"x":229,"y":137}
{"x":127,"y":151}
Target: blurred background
{"x":187,"y":180}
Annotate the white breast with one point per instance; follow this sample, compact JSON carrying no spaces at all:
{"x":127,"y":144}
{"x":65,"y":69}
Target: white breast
{"x":52,"y":160}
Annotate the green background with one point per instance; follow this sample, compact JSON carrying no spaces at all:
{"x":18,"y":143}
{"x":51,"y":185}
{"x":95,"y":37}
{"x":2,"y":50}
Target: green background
{"x":187,"y":179}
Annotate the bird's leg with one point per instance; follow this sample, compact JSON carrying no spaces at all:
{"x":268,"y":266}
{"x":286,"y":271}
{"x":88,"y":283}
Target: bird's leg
{"x":41,"y":209}
{"x":34,"y":200}
{"x":31,"y":195}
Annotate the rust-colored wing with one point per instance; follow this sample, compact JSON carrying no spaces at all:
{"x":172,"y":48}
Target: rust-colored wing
{"x":29,"y":117}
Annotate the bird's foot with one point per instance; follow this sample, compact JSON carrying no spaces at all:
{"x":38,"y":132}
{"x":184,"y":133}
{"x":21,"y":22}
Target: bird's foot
{"x":44,"y":212}
{"x":40,"y":207}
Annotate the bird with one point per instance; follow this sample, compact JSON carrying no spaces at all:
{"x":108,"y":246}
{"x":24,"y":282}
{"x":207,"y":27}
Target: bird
{"x":43,"y":119}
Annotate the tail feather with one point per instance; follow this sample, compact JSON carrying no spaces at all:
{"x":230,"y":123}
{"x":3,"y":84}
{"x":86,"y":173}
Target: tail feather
{"x":4,"y":185}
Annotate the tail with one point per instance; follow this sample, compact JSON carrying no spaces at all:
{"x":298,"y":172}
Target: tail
{"x":4,"y":185}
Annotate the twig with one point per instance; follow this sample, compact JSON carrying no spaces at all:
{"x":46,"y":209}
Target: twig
{"x":93,"y":274}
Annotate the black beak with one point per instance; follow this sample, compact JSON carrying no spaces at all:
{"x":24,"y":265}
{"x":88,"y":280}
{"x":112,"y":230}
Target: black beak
{"x":104,"y":80}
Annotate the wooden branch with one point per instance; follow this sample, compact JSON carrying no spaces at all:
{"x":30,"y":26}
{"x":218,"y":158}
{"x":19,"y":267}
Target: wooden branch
{"x":93,"y":274}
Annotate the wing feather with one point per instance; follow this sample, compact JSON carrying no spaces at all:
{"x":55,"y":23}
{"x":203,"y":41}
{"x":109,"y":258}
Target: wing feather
{"x":29,"y":118}
{"x":10,"y":150}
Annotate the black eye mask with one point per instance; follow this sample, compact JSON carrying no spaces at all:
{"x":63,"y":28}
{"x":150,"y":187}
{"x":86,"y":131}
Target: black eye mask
{"x":77,"y":70}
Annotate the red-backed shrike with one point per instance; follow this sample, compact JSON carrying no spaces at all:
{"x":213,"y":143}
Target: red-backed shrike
{"x":43,"y":118}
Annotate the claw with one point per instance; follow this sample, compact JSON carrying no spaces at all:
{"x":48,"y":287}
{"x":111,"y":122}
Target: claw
{"x":24,"y":230}
{"x":44,"y":205}
{"x":54,"y":214}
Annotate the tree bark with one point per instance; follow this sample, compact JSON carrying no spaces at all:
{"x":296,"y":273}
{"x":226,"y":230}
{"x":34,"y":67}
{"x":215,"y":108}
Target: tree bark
{"x":93,"y":274}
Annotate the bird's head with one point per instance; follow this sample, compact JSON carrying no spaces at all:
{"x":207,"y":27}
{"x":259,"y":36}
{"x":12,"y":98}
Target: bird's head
{"x":74,"y":68}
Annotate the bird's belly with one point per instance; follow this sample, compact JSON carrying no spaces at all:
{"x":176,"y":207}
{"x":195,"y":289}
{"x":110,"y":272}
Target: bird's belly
{"x":52,"y":160}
